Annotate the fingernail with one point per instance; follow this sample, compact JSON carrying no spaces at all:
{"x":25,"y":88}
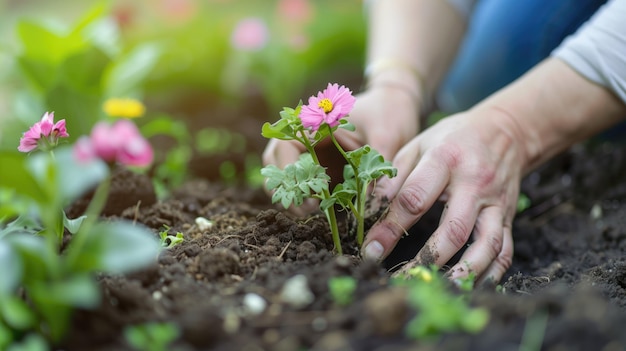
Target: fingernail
{"x":373,"y":251}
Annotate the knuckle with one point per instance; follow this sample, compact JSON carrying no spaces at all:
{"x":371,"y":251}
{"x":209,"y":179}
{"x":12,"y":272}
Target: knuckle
{"x":495,"y":244}
{"x":504,"y":261}
{"x":413,"y":200}
{"x":457,"y":232}
{"x":451,"y":154}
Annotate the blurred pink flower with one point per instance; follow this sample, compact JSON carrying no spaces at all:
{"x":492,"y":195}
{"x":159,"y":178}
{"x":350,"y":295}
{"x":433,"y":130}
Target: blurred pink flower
{"x":250,"y":34}
{"x":329,"y":106}
{"x":120,"y":142}
{"x":178,"y":10}
{"x":44,"y":134}
{"x":300,"y":11}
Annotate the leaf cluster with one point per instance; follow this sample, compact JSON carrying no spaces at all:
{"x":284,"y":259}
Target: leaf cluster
{"x":42,"y":287}
{"x":151,"y":336}
{"x":438,"y":309}
{"x":370,"y":166}
{"x":297,"y":181}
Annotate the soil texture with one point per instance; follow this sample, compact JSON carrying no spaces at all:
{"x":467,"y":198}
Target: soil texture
{"x":566,"y":287}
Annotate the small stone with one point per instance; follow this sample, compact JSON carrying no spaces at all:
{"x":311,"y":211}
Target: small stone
{"x":596,"y":212}
{"x":296,"y":292}
{"x":203,"y":223}
{"x":254,"y":304}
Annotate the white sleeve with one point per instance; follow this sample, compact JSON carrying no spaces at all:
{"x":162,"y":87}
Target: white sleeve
{"x":598,"y":49}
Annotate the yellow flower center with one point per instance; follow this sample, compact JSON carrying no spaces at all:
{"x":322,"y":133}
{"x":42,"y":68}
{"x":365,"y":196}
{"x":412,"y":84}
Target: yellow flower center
{"x":326,"y":105}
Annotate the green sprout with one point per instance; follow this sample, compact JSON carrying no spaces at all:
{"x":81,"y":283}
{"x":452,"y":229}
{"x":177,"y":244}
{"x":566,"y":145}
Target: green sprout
{"x":438,"y":310}
{"x":151,"y":336}
{"x":342,"y":289}
{"x":169,"y":241}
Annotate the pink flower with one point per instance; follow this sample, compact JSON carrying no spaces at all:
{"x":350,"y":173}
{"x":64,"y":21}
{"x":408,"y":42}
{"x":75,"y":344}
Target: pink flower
{"x":250,"y":34}
{"x":329,"y":106}
{"x":120,"y":142}
{"x":299,"y":11}
{"x":44,"y":134}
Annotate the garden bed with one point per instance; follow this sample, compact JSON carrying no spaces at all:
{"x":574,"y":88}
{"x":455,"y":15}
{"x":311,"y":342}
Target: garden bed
{"x":566,"y":288}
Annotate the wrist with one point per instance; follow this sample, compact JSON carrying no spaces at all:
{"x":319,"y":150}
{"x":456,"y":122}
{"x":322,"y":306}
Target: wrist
{"x":396,"y":75}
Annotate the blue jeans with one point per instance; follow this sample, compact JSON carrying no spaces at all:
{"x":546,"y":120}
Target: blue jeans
{"x":504,"y":39}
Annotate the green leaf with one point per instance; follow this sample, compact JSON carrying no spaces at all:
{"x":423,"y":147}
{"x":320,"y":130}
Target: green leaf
{"x":83,"y":71}
{"x":344,"y":195}
{"x":6,"y":336}
{"x":371,"y":164}
{"x":16,"y":176}
{"x":279,"y":130}
{"x":116,"y":247}
{"x":12,"y":274}
{"x":37,"y":259}
{"x":16,"y":313}
{"x":127,"y":73}
{"x":45,"y":45}
{"x":297,"y":181}
{"x":344,"y":124}
{"x":77,"y":290}
{"x":75,"y":178}
{"x":40,"y":75}
{"x":73,"y":225}
{"x":11,"y":205}
{"x":23,"y":224}
{"x":32,"y":342}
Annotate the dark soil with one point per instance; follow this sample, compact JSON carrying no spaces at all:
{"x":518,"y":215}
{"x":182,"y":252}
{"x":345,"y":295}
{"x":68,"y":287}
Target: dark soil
{"x":569,"y":265}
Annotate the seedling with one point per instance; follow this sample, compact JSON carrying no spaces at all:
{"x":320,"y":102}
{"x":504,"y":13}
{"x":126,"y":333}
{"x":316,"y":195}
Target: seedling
{"x":309,"y":125}
{"x":438,"y":310}
{"x":342,"y":289}
{"x":169,"y":241}
{"x":151,"y":336}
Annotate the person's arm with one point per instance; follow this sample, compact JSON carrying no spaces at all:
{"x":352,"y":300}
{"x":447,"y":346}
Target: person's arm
{"x":551,"y":108}
{"x":411,"y":43}
{"x":474,"y":162}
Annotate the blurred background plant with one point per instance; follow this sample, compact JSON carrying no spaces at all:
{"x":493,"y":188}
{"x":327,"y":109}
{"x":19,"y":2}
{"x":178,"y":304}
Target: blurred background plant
{"x":206,"y":70}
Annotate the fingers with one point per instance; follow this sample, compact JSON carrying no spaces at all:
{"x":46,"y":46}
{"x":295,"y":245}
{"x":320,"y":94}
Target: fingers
{"x":417,"y":194}
{"x":487,"y":245}
{"x":455,"y":227}
{"x":281,"y":152}
{"x":502,"y":262}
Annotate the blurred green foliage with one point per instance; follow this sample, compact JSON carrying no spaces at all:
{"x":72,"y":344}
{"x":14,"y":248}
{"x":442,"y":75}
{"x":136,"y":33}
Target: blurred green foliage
{"x":178,"y":57}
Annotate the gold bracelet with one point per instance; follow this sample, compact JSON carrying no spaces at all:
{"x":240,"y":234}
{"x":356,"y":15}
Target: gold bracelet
{"x":381,"y":65}
{"x":390,"y":64}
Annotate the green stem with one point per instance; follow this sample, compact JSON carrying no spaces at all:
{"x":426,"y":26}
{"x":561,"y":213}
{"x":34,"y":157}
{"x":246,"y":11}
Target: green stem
{"x":330,"y":212}
{"x":361,"y":194}
{"x":93,"y":212}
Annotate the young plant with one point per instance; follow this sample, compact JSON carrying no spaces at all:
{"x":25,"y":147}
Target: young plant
{"x":342,"y":289}
{"x":309,"y":125}
{"x":43,"y":284}
{"x":438,"y":310}
{"x":169,"y":241}
{"x":151,"y":336}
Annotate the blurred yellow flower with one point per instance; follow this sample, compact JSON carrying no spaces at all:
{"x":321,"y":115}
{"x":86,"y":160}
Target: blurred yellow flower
{"x":124,"y":108}
{"x":422,"y":273}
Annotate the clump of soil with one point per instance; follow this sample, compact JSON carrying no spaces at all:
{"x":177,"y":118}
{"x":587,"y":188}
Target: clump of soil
{"x":569,"y":271}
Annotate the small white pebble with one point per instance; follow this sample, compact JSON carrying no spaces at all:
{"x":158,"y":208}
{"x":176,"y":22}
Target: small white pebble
{"x":157,"y":295}
{"x":203,"y":223}
{"x":596,"y":212}
{"x":254,"y":303}
{"x":296,"y":292}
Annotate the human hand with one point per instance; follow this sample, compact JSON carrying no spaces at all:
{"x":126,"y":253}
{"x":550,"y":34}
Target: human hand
{"x":386,"y":135}
{"x":472,"y":162}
